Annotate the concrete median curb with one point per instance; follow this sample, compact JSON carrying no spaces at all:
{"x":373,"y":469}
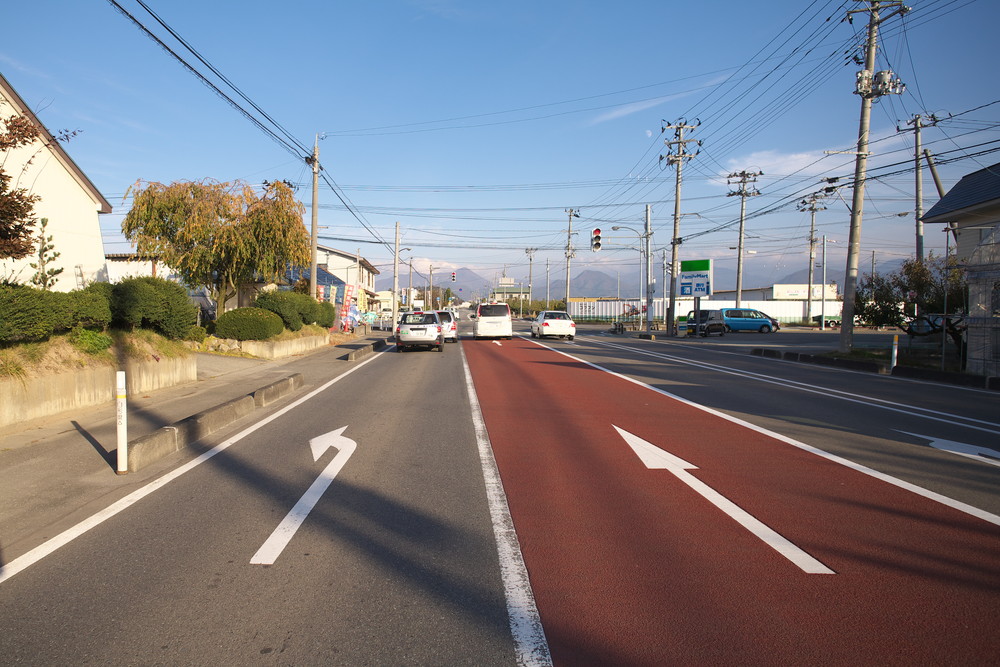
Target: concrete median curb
{"x":364,"y":351}
{"x":149,"y":448}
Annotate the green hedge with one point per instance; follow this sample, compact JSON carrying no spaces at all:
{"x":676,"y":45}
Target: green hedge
{"x":25,"y":314}
{"x":249,"y":324}
{"x":326,"y":314}
{"x":153,"y":303}
{"x":285,"y":305}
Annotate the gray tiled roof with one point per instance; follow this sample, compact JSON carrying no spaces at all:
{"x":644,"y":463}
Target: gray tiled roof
{"x":975,"y":189}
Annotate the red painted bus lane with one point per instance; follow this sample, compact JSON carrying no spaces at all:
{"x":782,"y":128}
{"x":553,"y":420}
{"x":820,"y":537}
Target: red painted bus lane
{"x":632,"y":565}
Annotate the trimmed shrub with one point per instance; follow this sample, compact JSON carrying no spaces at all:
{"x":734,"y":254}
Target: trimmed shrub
{"x":307,"y":306}
{"x":153,"y":303}
{"x":92,"y":306}
{"x":326,"y":314}
{"x":248,"y":324}
{"x":283,"y":304}
{"x":25,"y":314}
{"x":196,"y":334}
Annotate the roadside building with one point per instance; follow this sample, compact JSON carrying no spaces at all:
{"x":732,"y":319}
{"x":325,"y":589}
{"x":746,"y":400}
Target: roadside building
{"x":69,"y":200}
{"x":971,"y":211}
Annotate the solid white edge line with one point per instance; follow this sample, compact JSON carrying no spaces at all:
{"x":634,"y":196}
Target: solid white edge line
{"x":46,"y":548}
{"x":871,"y":472}
{"x":531,"y":647}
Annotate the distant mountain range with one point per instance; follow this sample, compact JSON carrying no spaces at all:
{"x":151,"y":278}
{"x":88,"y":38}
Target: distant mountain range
{"x":470,"y":285}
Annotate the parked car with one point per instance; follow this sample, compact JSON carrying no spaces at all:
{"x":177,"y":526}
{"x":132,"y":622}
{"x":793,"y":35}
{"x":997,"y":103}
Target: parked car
{"x":748,"y":319}
{"x":449,"y":325}
{"x":419,"y":329}
{"x":708,"y":322}
{"x":492,"y":320}
{"x":553,"y":323}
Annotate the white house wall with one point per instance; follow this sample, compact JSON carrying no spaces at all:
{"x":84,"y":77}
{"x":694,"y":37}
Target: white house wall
{"x":71,"y":209}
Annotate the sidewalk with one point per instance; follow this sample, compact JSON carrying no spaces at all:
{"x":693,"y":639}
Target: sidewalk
{"x":56,"y":471}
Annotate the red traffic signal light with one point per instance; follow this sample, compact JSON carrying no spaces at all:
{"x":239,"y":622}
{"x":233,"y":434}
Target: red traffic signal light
{"x":453,"y":277}
{"x":595,"y":239}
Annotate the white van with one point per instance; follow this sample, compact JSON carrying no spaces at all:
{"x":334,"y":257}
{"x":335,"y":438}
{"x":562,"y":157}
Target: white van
{"x":492,"y":320}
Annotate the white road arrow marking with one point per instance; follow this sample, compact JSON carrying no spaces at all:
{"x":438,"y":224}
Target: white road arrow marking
{"x":655,"y":458}
{"x":498,"y":343}
{"x":282,"y":535}
{"x":976,"y":452}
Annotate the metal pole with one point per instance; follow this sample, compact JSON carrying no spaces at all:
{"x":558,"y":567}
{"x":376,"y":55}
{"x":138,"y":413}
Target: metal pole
{"x":674,"y":242}
{"x":649,"y":269}
{"x":739,"y":251}
{"x":822,"y":308}
{"x":122,"y":410}
{"x":812,"y":262}
{"x":546,"y":283}
{"x":395,"y":281}
{"x":944,"y":315}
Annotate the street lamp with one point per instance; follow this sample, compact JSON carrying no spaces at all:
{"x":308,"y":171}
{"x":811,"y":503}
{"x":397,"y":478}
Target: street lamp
{"x":645,"y":251}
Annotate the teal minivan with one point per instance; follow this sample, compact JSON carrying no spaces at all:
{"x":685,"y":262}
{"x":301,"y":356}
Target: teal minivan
{"x":747,"y":319}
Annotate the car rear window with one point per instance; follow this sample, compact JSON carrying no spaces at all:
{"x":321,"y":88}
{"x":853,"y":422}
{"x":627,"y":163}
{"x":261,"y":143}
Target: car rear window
{"x":494,"y":310}
{"x":556,"y":316}
{"x":419,"y":318}
{"x":445,"y":316}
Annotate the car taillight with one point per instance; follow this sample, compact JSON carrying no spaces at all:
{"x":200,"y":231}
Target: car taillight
{"x":573,"y":324}
{"x":397,"y":331}
{"x":545,"y":324}
{"x":439,"y":328}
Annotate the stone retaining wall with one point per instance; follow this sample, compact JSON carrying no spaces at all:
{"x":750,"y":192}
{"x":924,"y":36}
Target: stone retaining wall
{"x":30,"y":398}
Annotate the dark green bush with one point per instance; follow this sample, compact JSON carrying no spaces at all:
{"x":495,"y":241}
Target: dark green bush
{"x":283,"y":304}
{"x":153,"y":303}
{"x":91,"y":342}
{"x":326,"y":314}
{"x":92,"y":306}
{"x":196,"y":334}
{"x":248,"y":324}
{"x":25,"y":314}
{"x":307,"y":306}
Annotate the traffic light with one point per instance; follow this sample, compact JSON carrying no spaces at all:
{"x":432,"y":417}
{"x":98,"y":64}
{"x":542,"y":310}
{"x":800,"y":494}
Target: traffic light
{"x":453,"y":277}
{"x":595,"y":240}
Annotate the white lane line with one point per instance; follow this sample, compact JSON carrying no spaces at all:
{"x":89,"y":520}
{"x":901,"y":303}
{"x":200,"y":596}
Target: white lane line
{"x":530,"y":645}
{"x":870,"y":401}
{"x":889,"y":479}
{"x":46,"y":548}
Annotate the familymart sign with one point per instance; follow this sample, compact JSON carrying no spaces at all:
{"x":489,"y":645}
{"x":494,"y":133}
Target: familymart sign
{"x":696,"y":278}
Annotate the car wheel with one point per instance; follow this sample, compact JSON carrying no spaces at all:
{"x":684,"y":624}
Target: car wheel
{"x":534,"y":335}
{"x":765,"y":328}
{"x":728,"y":329}
{"x":569,"y":338}
{"x":400,"y":348}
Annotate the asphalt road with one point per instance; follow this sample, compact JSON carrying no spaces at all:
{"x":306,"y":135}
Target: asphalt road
{"x":674,"y":502}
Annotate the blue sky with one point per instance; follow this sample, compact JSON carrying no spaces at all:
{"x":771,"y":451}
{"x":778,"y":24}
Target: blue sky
{"x":475,"y":125}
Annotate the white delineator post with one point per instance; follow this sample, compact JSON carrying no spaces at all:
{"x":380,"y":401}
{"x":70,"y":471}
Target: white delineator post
{"x":122,"y":424}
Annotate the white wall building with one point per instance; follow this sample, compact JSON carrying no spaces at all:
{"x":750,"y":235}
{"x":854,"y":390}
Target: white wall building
{"x":69,"y":200}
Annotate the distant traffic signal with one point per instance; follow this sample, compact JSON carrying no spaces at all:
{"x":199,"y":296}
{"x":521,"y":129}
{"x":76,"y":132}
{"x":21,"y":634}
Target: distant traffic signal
{"x":595,"y":240}
{"x":453,"y":277}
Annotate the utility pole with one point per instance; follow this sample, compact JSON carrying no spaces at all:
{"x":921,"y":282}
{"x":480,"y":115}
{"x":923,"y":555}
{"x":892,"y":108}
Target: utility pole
{"x":395,"y":280}
{"x":742,"y":178}
{"x":677,"y":159}
{"x":649,"y":269}
{"x":546,"y":283}
{"x":430,"y":287}
{"x":530,"y":252}
{"x":811,"y":204}
{"x":569,"y":248}
{"x":870,"y":85}
{"x":314,"y":240}
{"x":917,"y":122}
